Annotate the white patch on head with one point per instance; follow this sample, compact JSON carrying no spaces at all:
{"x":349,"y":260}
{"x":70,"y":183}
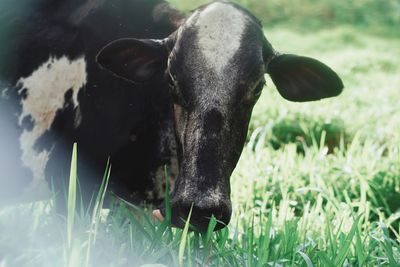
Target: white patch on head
{"x":221,"y":27}
{"x":46,"y":88}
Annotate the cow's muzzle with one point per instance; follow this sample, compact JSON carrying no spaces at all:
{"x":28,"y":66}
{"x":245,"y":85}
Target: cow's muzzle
{"x":202,"y":213}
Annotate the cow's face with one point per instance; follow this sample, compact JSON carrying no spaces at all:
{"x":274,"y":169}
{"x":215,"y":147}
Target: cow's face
{"x":215,"y":64}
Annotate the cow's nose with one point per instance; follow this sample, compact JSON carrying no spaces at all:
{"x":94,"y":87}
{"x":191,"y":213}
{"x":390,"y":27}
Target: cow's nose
{"x":202,"y":212}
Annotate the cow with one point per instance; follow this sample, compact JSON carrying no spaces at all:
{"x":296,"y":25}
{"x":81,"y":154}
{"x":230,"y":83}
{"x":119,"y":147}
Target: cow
{"x":138,"y":82}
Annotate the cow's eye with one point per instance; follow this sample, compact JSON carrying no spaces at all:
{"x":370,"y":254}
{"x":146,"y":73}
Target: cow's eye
{"x":171,"y":81}
{"x":175,"y":91}
{"x":259,"y":88}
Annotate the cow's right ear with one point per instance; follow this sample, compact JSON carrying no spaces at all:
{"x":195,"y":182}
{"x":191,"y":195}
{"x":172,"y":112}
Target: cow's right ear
{"x":301,"y":79}
{"x":137,"y":60}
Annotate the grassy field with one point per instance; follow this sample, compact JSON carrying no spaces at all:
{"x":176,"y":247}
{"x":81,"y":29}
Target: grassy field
{"x":381,"y":17}
{"x":318,"y":184}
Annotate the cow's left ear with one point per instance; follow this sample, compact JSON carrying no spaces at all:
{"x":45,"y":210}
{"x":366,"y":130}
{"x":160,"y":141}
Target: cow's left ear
{"x":137,"y":60}
{"x":302,"y":79}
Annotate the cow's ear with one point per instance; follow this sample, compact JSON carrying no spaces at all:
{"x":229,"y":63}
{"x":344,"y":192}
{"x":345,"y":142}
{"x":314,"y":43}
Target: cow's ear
{"x":137,"y":60}
{"x":302,"y":79}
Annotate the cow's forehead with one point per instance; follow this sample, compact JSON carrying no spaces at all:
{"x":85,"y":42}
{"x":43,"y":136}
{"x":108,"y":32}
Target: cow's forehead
{"x":220,"y":28}
{"x":216,"y":51}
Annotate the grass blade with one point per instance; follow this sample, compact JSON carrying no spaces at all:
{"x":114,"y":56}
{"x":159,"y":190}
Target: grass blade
{"x":306,"y":259}
{"x":344,"y":250}
{"x":359,"y":249}
{"x":97,"y":211}
{"x":210,"y":230}
{"x":325,"y":260}
{"x":184,"y":239}
{"x":167,"y":197}
{"x":73,"y":177}
{"x":387,"y":246}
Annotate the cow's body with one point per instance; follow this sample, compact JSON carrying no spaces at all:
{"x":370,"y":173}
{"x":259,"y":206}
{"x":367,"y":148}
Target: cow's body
{"x":54,"y":94}
{"x":179,"y":93}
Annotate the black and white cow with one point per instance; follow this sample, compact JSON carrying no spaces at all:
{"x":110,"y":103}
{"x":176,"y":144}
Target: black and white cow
{"x":181,"y":93}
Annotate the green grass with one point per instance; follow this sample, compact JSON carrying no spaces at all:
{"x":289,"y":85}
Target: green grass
{"x":381,"y":17}
{"x":318,"y":184}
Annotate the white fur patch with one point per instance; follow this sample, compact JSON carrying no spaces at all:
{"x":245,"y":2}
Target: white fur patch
{"x":221,"y":27}
{"x":46,"y":88}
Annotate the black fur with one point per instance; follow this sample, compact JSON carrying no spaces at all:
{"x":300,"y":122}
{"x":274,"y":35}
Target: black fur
{"x":113,"y":110}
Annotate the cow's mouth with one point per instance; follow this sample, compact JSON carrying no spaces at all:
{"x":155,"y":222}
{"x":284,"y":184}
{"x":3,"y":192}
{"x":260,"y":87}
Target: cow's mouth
{"x":158,"y":216}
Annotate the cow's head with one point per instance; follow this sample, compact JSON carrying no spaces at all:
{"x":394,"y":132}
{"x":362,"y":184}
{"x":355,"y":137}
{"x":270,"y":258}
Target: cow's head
{"x":215,"y":64}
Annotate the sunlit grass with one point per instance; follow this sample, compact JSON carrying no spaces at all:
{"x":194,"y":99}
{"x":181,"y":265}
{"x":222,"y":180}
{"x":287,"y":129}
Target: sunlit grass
{"x":318,"y":184}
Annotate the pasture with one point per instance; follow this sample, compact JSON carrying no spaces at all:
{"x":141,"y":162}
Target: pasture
{"x":318,"y":184}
